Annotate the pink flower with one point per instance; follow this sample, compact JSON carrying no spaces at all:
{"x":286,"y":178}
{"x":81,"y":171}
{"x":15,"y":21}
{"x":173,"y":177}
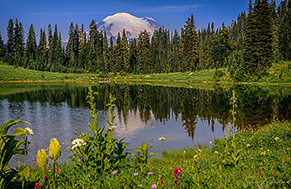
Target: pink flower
{"x":150,"y":173}
{"x":140,"y":185}
{"x":272,"y":174}
{"x":37,"y":185}
{"x":57,"y":169}
{"x":114,"y":172}
{"x":45,"y":179}
{"x":135,"y":174}
{"x":154,"y":186}
{"x":260,"y":174}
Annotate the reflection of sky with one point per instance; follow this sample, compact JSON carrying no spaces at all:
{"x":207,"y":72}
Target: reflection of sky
{"x":62,"y":121}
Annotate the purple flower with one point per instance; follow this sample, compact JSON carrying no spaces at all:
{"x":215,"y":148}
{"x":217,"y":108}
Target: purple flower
{"x":114,"y":172}
{"x":197,"y":148}
{"x":150,"y":173}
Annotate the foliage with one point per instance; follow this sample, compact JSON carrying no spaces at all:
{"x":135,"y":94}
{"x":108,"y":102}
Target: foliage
{"x":98,"y":150}
{"x":9,"y":146}
{"x":141,"y":155}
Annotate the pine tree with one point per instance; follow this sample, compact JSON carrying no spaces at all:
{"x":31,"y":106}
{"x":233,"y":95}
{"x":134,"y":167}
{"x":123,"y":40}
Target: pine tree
{"x":93,"y":46}
{"x":284,"y":12}
{"x":118,"y":54}
{"x":111,"y":55}
{"x":221,"y":48}
{"x":275,"y":35}
{"x":19,"y":38}
{"x":143,"y":46}
{"x":189,"y":45}
{"x":70,"y":47}
{"x":106,"y":57}
{"x":42,"y":51}
{"x":30,"y":48}
{"x":2,"y":48}
{"x":124,"y":52}
{"x":83,"y":49}
{"x":133,"y":55}
{"x":10,"y":38}
{"x":249,"y":55}
{"x":50,"y":47}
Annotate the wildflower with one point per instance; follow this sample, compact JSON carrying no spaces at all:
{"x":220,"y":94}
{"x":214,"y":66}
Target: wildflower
{"x":176,"y":173}
{"x":196,"y":162}
{"x":162,"y":182}
{"x":277,"y":138}
{"x":150,"y":173}
{"x":154,"y":186}
{"x":210,"y":142}
{"x":135,"y":174}
{"x":216,"y":152}
{"x":42,"y":159}
{"x":195,"y":157}
{"x":37,"y":185}
{"x":29,"y":131}
{"x":266,"y":130}
{"x":46,"y":180}
{"x":260,"y":174}
{"x":162,"y":138}
{"x":272,"y":174}
{"x":55,"y":149}
{"x":275,"y":163}
{"x":248,"y":145}
{"x":114,"y":172}
{"x":288,"y":158}
{"x":140,"y":185}
{"x":78,"y":142}
{"x":57,"y":169}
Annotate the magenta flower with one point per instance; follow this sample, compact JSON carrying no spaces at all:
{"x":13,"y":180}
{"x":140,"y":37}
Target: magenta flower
{"x":275,"y":163}
{"x":37,"y":185}
{"x":154,"y":186}
{"x":114,"y":172}
{"x":140,"y":185}
{"x":176,"y":173}
{"x":260,"y":174}
{"x":57,"y":169}
{"x":150,"y":173}
{"x":135,"y":174}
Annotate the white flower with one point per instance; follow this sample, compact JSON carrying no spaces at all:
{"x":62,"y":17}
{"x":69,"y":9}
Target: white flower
{"x":248,"y":145}
{"x":162,"y":139}
{"x":216,"y":152}
{"x":29,"y":130}
{"x":210,"y":142}
{"x":78,"y":142}
{"x":277,"y":138}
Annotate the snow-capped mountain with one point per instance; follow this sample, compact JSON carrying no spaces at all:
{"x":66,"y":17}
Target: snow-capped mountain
{"x":132,"y":25}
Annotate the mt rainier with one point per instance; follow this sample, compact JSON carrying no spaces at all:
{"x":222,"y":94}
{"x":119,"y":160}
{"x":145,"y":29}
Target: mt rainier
{"x":132,"y":25}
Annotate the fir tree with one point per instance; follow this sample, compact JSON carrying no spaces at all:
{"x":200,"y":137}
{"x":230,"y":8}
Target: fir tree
{"x":19,"y":37}
{"x":30,"y":48}
{"x":118,"y":54}
{"x":133,"y":55}
{"x":70,"y":47}
{"x":189,"y":45}
{"x":10,"y":38}
{"x":2,"y":48}
{"x":124,"y":52}
{"x":284,"y":12}
{"x":111,"y":55}
{"x":106,"y":57}
{"x":143,"y":46}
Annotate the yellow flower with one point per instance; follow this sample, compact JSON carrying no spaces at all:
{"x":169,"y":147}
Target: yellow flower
{"x":195,"y":157}
{"x":55,"y":149}
{"x":42,"y":159}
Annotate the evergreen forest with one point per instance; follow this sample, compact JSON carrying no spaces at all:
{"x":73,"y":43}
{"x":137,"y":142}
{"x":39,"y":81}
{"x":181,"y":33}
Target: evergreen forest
{"x":245,"y":49}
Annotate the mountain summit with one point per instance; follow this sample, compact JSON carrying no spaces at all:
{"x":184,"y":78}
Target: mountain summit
{"x":132,"y":25}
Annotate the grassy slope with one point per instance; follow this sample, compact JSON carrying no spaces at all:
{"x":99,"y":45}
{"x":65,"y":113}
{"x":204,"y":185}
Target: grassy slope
{"x":9,"y":73}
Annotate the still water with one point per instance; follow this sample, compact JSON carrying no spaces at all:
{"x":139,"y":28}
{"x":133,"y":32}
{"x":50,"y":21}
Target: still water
{"x":184,"y":116}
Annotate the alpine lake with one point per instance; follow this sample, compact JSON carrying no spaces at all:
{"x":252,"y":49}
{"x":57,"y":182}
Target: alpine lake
{"x":188,"y":115}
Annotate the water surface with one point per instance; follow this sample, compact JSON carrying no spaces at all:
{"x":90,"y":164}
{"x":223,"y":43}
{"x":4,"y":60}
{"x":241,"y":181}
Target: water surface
{"x":184,"y":116}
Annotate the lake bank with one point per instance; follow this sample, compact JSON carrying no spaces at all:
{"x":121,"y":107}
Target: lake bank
{"x":10,"y":74}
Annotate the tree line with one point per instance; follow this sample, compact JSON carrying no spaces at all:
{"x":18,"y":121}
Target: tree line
{"x":246,"y":48}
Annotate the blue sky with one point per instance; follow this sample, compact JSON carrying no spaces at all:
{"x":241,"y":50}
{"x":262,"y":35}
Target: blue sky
{"x":171,"y":14}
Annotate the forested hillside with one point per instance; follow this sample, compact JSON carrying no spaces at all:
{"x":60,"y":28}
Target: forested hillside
{"x":248,"y":47}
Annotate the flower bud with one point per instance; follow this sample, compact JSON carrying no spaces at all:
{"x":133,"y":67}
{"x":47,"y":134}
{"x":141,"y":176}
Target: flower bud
{"x":42,"y":159}
{"x":55,"y":149}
